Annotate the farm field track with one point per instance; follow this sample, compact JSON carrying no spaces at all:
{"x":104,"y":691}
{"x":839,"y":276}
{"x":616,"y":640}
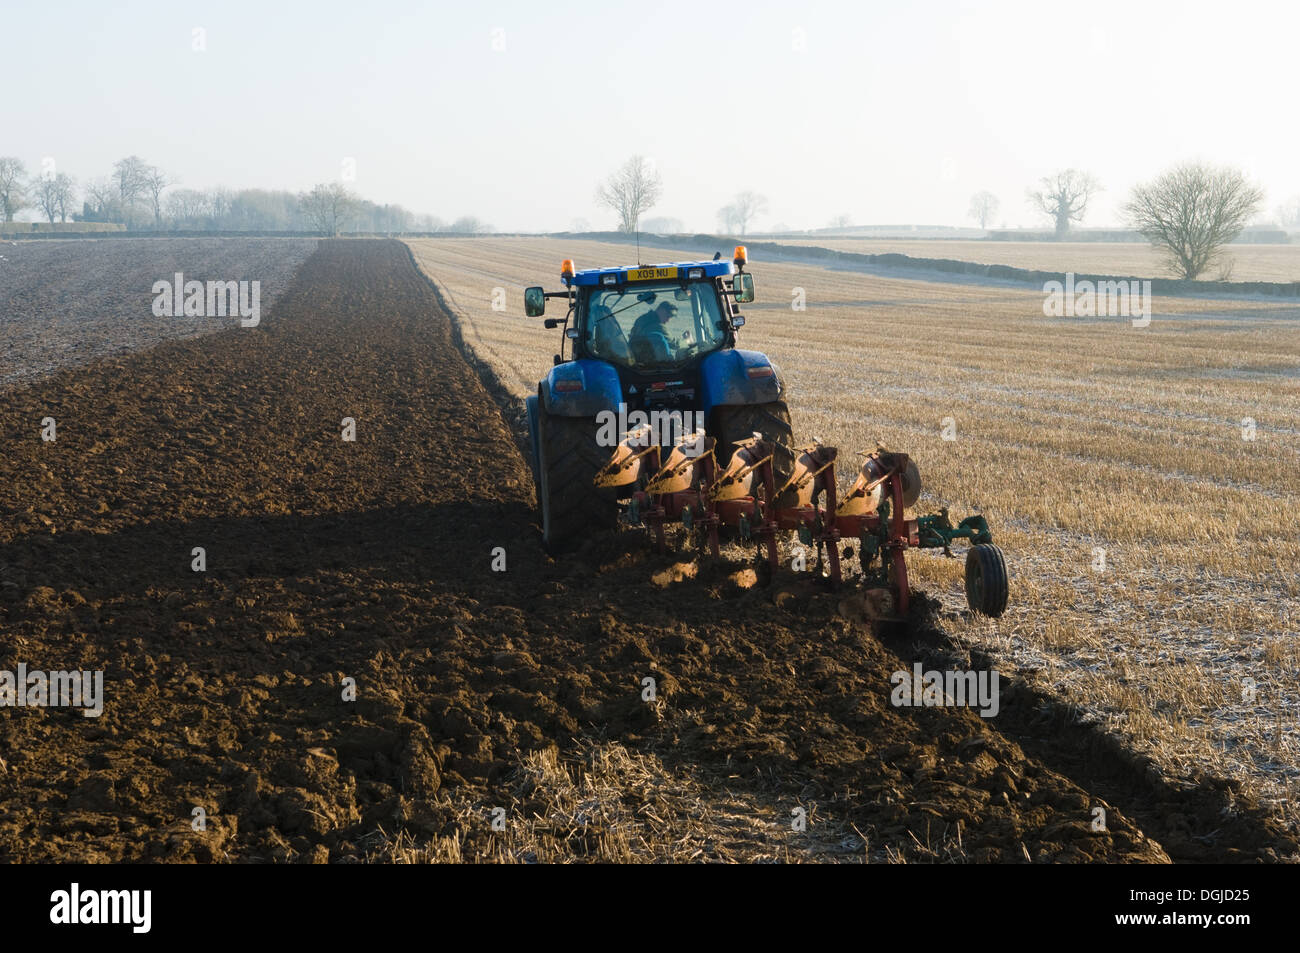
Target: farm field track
{"x":1249,"y":262}
{"x":1150,"y":542}
{"x":476,"y":689}
{"x":64,"y":303}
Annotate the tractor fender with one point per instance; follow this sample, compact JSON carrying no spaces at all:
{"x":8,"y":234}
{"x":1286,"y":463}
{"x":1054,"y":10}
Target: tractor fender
{"x":736,"y":377}
{"x":599,"y":389}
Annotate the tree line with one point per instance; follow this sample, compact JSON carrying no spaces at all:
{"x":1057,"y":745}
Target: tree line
{"x":1189,"y":213}
{"x":140,"y":195}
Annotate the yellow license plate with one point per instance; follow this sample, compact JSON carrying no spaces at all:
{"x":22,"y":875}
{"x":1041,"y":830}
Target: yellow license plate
{"x":651,"y":274}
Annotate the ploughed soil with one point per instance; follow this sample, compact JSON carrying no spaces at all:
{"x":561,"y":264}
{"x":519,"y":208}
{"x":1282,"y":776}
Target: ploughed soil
{"x":66,"y":303}
{"x":371,"y":562}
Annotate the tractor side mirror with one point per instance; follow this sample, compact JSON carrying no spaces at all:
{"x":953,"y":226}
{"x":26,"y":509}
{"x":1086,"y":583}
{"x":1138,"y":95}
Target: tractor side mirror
{"x":534,"y":302}
{"x":744,"y":285}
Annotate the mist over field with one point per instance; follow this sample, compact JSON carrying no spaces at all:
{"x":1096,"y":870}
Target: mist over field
{"x":837,"y":433}
{"x":511,"y":113}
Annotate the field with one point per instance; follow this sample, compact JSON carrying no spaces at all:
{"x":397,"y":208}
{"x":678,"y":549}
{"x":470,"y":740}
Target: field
{"x":67,"y":303}
{"x":351,"y":679}
{"x":1152,"y":560}
{"x":1249,"y":262}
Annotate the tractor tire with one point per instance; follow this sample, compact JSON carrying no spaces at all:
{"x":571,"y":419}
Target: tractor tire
{"x":986,"y":580}
{"x":733,"y":424}
{"x":572,"y":508}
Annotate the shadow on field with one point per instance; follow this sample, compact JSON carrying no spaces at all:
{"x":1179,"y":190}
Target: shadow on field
{"x":399,"y":544}
{"x":1201,"y":819}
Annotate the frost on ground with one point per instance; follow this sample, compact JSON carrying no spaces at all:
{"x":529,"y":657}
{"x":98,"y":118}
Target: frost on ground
{"x":1140,"y":481}
{"x":64,"y":304}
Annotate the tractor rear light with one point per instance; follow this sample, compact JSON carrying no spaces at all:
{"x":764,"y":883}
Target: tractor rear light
{"x":566,"y":268}
{"x":568,"y":385}
{"x":755,"y":373}
{"x":742,"y":256}
{"x":695,"y":273}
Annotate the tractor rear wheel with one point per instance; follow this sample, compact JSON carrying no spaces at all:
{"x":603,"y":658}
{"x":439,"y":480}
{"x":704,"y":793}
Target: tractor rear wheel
{"x":986,"y":580}
{"x":569,"y":456}
{"x":733,"y":424}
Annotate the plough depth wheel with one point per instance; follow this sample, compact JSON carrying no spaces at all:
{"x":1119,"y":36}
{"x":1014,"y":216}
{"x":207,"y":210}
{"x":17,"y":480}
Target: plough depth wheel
{"x":986,"y":580}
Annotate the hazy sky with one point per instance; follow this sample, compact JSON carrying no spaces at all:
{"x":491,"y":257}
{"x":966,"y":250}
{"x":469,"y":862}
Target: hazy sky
{"x":887,"y":112}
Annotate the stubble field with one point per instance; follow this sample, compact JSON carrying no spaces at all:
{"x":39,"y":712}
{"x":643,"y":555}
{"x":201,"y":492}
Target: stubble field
{"x":1142,"y":481}
{"x":1136,"y":259}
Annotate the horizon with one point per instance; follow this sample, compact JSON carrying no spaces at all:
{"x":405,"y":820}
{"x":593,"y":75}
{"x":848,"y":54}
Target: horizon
{"x":439,"y":110}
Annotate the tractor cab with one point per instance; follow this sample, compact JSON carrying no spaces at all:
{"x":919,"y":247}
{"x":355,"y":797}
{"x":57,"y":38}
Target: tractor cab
{"x":650,"y":321}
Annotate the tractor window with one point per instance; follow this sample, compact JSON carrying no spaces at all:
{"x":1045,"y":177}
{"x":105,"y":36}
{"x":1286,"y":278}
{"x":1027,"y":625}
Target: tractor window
{"x":646,"y":325}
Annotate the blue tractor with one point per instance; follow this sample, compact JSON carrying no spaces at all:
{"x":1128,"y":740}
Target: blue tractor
{"x":654,"y":342}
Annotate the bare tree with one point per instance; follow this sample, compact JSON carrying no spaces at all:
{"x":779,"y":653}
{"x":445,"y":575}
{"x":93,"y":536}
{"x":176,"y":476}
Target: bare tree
{"x":1064,"y":197}
{"x":983,"y":208}
{"x":222,"y":203}
{"x":1192,"y":211}
{"x":631,"y":190}
{"x":129,"y":179}
{"x":65,"y":194}
{"x":46,"y":197}
{"x":189,"y":208}
{"x":729,"y":219}
{"x":469,"y":225}
{"x":1288,"y":213}
{"x":153,"y":180}
{"x":748,"y":206}
{"x":101,"y":201}
{"x":841,"y":221}
{"x":13,"y":196}
{"x":329,"y":207}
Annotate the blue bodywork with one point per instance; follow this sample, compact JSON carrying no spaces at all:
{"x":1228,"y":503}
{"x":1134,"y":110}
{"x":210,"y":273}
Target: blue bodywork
{"x":599,"y":383}
{"x":732,"y":377}
{"x":585,"y":387}
{"x":729,"y":377}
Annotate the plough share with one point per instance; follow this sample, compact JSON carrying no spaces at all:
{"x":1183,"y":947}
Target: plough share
{"x":689,"y":488}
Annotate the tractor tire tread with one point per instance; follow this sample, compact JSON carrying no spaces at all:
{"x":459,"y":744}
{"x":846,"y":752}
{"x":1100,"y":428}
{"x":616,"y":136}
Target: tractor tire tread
{"x":572,"y":457}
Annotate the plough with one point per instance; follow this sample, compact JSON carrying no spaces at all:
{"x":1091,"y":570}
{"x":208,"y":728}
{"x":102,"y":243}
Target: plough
{"x":689,"y":488}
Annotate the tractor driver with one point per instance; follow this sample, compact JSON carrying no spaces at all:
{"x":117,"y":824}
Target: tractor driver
{"x":649,"y":339}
